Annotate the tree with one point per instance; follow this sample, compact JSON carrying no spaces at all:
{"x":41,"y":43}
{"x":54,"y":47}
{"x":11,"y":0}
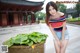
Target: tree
{"x":78,"y":8}
{"x":40,"y":15}
{"x":61,"y":7}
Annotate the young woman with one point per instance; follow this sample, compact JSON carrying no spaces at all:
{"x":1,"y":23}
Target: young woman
{"x":57,"y":24}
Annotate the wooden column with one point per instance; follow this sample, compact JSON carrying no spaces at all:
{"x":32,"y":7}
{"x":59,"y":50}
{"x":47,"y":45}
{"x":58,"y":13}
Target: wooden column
{"x":4,"y":19}
{"x":20,"y":18}
{"x":32,"y":18}
{"x":15,"y":19}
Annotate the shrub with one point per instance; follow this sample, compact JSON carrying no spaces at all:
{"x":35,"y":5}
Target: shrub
{"x":73,"y":19}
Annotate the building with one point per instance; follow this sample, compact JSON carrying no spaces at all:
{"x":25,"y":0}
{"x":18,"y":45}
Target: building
{"x":16,"y":12}
{"x":71,"y":12}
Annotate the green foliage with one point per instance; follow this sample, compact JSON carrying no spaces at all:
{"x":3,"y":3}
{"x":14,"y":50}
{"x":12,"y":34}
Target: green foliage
{"x":78,"y":9}
{"x":9,"y":42}
{"x":61,"y":7}
{"x":73,"y":19}
{"x":42,"y":21}
{"x":27,"y":39}
{"x":29,"y":18}
{"x":40,"y":15}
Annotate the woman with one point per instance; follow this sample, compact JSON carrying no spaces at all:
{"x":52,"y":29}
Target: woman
{"x":57,"y":24}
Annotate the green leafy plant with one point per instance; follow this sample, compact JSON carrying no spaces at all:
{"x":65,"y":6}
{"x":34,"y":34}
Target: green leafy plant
{"x":27,"y":39}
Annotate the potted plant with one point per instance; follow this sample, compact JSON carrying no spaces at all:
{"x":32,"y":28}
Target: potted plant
{"x":27,"y":43}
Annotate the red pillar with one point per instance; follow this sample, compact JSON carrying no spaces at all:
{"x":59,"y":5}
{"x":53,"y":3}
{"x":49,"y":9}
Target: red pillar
{"x":4,"y":19}
{"x":15,"y":19}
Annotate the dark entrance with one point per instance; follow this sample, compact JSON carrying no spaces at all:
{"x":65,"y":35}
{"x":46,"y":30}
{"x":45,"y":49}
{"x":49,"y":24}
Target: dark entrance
{"x":10,"y":19}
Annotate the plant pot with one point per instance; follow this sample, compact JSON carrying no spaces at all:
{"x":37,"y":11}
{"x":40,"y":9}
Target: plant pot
{"x":26,"y":43}
{"x":39,"y":48}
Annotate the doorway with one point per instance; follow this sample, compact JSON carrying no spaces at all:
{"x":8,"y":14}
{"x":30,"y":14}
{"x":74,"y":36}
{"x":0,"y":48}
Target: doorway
{"x":10,"y":19}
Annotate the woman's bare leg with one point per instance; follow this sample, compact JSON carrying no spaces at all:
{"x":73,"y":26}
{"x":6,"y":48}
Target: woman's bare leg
{"x":63,"y":45}
{"x":57,"y":46}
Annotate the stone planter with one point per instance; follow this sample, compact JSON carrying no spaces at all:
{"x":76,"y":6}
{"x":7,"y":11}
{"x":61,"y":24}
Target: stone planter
{"x":25,"y":43}
{"x":39,"y":48}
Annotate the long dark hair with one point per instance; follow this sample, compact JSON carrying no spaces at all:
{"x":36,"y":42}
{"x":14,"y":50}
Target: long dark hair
{"x":51,"y":3}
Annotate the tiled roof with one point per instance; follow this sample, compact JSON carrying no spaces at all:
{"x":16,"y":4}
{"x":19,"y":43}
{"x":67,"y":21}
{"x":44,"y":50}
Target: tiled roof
{"x":22,"y":2}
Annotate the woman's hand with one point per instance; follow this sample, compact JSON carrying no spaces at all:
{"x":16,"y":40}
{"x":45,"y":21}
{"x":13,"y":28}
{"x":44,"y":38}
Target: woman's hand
{"x":61,"y":43}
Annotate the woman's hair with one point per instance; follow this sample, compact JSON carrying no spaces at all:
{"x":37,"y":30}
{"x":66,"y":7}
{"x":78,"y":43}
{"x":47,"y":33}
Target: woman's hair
{"x":51,"y":3}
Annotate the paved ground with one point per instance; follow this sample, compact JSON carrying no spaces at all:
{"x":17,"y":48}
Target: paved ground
{"x":74,"y":32}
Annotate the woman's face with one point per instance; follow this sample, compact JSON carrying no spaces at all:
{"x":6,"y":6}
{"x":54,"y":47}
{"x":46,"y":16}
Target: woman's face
{"x":52,"y":11}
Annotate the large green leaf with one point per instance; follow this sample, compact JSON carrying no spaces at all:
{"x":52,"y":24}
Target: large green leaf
{"x":27,"y":39}
{"x":8,"y":42}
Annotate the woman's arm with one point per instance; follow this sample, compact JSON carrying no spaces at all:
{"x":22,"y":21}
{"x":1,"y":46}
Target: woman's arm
{"x":63,"y":30}
{"x":53,"y":32}
{"x":64,"y":25}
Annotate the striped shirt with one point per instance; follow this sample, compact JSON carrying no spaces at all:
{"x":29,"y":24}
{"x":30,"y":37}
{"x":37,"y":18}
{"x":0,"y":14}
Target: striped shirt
{"x":56,"y":23}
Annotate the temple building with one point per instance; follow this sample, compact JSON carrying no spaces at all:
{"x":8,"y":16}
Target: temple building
{"x":18,"y":12}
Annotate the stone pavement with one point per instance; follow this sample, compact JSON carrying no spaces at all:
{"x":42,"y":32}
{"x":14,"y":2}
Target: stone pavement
{"x":74,"y":33}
